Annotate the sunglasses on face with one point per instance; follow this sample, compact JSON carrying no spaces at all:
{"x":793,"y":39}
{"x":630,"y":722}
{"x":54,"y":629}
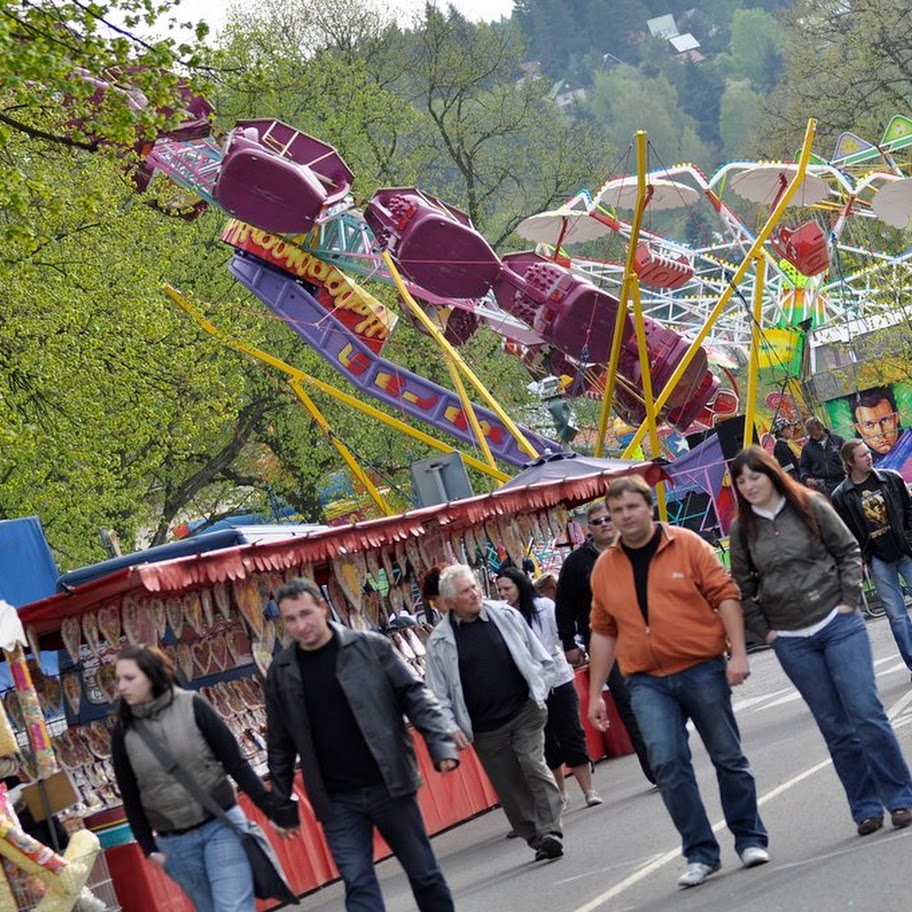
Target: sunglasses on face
{"x":600,"y":522}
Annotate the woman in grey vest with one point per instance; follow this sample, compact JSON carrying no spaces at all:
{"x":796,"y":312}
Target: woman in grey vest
{"x":199,"y":851}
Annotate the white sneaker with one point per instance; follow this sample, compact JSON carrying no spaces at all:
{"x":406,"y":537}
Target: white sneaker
{"x":753,"y":856}
{"x":696,"y":873}
{"x":593,"y":798}
{"x":565,"y":801}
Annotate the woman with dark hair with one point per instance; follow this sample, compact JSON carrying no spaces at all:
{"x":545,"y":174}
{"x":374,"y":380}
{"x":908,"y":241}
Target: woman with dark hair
{"x":565,"y":740}
{"x":199,"y":851}
{"x":799,"y":569}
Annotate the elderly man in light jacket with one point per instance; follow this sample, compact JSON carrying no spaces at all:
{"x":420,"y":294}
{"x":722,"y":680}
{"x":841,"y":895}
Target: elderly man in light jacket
{"x":492,"y":675}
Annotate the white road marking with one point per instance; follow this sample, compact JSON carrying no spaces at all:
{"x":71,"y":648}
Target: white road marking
{"x":675,"y":854}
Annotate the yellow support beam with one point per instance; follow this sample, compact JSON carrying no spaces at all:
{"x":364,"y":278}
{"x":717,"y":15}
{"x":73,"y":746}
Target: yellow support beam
{"x":629,"y":274}
{"x":207,"y":326}
{"x":451,"y":352}
{"x":756,"y":249}
{"x":646,"y":372}
{"x":754,"y":361}
{"x":349,"y":458}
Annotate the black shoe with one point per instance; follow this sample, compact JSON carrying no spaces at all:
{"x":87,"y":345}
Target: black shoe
{"x":550,"y":846}
{"x":870,"y":825}
{"x":901,"y":817}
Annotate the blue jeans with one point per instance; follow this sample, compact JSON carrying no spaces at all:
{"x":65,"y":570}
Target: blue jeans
{"x":834,"y":672}
{"x":886,"y":576}
{"x":662,"y":706}
{"x":210,"y":865}
{"x":350,"y":833}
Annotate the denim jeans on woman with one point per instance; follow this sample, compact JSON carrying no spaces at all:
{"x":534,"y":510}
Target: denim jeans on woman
{"x":834,"y":671}
{"x":210,"y":865}
{"x":886,"y":576}
{"x":662,"y":706}
{"x":350,"y":833}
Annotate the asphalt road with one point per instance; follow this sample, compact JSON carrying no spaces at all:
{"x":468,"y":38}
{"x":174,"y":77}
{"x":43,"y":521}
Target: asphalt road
{"x":625,"y":854}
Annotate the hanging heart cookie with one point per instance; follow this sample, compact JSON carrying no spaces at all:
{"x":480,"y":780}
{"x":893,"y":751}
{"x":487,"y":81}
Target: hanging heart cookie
{"x":109,"y":622}
{"x":202,"y":658}
{"x":90,"y":631}
{"x":71,"y":634}
{"x":174,"y":611}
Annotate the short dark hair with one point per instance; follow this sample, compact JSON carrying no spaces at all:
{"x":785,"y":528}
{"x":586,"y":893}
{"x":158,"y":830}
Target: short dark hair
{"x":871,"y":397}
{"x":156,"y":665}
{"x":629,"y":484}
{"x":598,"y":506}
{"x":297,"y":587}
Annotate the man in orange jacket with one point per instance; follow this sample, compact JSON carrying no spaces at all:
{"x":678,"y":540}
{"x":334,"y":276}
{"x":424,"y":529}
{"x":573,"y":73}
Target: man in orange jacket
{"x":664,"y":605}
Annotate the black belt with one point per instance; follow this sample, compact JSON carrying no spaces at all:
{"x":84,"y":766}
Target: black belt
{"x":179,"y":831}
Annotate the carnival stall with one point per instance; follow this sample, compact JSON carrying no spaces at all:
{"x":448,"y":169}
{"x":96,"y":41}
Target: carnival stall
{"x":214,"y":613}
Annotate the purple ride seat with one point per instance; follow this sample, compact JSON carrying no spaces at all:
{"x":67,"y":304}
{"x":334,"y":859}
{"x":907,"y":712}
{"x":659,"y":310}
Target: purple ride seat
{"x":321,"y":158}
{"x":268,"y":191}
{"x":435,"y":245}
{"x":666,"y":348}
{"x":566,"y":310}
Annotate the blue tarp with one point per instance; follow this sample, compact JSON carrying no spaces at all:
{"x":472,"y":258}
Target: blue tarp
{"x":28,"y":571}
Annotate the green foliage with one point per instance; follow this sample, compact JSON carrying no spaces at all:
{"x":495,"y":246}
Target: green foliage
{"x":50,"y":53}
{"x":847,"y":65}
{"x":628,"y":101}
{"x":738,"y":118}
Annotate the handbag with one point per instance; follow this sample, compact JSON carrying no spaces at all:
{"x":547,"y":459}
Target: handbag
{"x":269,"y":880}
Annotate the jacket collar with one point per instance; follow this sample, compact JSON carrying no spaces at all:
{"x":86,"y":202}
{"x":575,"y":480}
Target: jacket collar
{"x":669,"y":534}
{"x":288,"y":657}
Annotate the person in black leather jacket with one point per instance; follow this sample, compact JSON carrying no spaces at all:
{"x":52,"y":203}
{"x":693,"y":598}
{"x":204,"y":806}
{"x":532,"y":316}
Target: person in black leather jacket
{"x":336,"y":698}
{"x":875,"y":505}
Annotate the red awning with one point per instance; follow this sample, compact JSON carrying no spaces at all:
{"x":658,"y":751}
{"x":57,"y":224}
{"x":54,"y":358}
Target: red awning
{"x":173,"y":576}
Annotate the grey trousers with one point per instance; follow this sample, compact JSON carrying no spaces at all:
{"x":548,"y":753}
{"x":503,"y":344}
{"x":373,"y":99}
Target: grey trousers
{"x":513,"y":756}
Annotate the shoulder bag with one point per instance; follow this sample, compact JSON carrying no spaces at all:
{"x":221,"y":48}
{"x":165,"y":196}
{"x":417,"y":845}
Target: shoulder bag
{"x":269,"y":880}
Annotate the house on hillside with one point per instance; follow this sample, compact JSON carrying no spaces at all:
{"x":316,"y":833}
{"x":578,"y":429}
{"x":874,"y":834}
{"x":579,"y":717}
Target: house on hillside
{"x":687,"y":48}
{"x":662,"y":27}
{"x":564,"y":94}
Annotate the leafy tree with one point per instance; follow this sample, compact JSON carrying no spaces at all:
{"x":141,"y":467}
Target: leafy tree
{"x":848,"y":65}
{"x":740,"y":111}
{"x":627,"y":101}
{"x":51,"y":54}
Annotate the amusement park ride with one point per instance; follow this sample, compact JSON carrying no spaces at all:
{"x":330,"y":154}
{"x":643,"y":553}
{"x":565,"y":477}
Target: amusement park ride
{"x":653,"y":339}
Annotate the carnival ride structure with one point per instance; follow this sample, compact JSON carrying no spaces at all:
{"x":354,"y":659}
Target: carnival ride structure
{"x":639,"y":336}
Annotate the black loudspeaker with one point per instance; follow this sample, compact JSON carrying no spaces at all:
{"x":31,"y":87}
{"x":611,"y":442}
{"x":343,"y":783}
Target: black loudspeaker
{"x":731,"y":436}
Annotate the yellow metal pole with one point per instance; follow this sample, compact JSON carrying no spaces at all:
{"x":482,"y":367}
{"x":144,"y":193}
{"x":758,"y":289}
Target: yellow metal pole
{"x":469,"y":410}
{"x":754,"y":361}
{"x":407,"y":429}
{"x":615,"y":356}
{"x":353,"y":465}
{"x":741,"y":271}
{"x":185,"y":304}
{"x":437,"y":336}
{"x":646,"y":374}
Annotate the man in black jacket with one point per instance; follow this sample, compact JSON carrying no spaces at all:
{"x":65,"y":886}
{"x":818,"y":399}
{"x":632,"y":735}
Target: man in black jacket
{"x":875,"y":505}
{"x":336,"y":698}
{"x":573,"y":604}
{"x":820,"y":465}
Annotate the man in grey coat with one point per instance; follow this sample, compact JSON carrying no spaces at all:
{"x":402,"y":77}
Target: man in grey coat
{"x":336,"y":698}
{"x":492,"y":676}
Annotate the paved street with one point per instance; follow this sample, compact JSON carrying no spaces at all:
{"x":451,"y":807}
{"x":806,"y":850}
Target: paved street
{"x":625,"y":854}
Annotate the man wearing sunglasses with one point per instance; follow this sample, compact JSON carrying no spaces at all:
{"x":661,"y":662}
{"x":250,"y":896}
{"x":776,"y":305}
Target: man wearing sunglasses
{"x":573,"y":603}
